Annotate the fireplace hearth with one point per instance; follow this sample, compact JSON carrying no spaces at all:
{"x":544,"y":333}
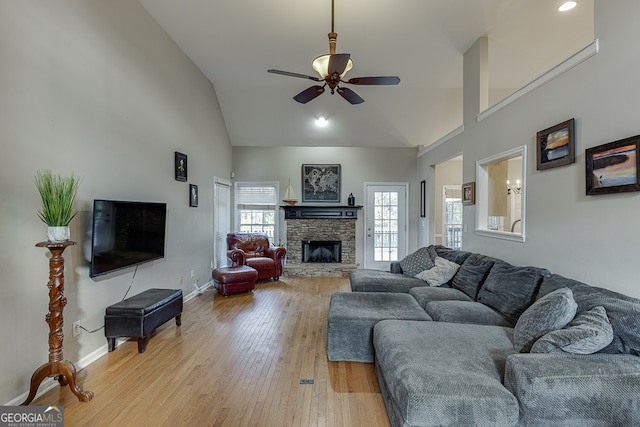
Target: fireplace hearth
{"x":325,"y":251}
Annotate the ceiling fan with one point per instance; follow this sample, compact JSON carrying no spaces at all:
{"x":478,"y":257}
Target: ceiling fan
{"x":332,"y":68}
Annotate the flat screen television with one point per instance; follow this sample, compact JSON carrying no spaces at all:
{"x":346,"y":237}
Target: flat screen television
{"x":126,"y":234}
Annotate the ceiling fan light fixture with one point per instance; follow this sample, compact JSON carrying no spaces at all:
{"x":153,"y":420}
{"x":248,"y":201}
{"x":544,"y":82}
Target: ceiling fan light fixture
{"x":321,"y":65}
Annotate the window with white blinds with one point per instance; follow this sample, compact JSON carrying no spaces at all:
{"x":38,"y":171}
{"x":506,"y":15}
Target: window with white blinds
{"x":256,"y":207}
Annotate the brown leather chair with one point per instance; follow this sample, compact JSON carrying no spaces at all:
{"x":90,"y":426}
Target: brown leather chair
{"x":253,"y":249}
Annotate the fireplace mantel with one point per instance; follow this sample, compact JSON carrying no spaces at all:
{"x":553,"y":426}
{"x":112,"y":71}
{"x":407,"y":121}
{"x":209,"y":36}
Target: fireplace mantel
{"x":321,"y":212}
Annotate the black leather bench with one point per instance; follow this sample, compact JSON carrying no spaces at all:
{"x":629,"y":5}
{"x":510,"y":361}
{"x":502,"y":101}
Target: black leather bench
{"x":140,"y":315}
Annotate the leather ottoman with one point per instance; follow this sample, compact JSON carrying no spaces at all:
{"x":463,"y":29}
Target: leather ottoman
{"x":229,"y":280}
{"x":140,"y":315}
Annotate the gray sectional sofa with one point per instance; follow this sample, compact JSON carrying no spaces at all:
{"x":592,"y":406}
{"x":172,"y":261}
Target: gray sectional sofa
{"x":500,"y":345}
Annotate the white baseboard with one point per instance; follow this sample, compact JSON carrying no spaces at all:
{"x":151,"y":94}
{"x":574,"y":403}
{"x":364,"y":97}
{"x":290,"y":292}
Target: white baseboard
{"x":49,"y":383}
{"x":199,"y":291}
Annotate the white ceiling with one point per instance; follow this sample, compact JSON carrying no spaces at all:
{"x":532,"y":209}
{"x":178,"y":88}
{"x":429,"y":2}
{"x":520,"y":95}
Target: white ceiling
{"x":422,"y":41}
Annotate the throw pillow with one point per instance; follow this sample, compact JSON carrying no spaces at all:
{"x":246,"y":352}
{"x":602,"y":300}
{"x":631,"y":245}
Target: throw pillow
{"x":440,"y":273}
{"x":623,"y":311}
{"x":473,"y":272}
{"x":551,"y":312}
{"x":588,"y":333}
{"x":416,"y":262}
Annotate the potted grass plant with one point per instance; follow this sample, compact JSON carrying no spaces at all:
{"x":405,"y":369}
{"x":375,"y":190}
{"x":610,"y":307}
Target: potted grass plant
{"x":58,"y":194}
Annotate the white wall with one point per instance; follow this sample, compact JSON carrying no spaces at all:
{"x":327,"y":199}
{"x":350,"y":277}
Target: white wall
{"x":95,"y":88}
{"x":359,"y":165}
{"x":589,"y":238}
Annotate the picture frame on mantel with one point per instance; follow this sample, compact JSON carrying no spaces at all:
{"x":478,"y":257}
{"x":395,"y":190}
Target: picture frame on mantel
{"x":321,"y":183}
{"x":613,"y":167}
{"x":180,"y":166}
{"x":556,"y":146}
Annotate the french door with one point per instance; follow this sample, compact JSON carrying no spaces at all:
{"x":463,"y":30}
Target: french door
{"x":385,"y":224}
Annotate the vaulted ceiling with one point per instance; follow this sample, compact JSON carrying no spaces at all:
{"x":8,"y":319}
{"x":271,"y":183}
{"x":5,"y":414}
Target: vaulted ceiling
{"x":421,"y":41}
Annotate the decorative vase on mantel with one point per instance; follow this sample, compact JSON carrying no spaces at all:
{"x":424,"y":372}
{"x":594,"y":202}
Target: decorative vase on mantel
{"x":58,"y":194}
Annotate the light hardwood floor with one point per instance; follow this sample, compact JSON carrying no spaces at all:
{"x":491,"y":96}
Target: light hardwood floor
{"x":235,"y":361}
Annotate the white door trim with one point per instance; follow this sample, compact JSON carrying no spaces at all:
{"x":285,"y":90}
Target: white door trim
{"x":368,"y":256}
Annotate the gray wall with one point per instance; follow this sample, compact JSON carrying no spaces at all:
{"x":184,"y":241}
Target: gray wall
{"x":95,"y":88}
{"x":589,"y":238}
{"x":359,"y":165}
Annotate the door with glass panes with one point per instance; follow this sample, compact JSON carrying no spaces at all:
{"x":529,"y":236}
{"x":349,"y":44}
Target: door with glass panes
{"x":385,"y":227}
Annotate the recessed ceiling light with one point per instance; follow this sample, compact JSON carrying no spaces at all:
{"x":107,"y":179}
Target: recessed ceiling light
{"x":322,"y":122}
{"x":568,"y":5}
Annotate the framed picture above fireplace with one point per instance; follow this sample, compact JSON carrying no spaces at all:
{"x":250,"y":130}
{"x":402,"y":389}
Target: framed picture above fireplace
{"x":321,"y":183}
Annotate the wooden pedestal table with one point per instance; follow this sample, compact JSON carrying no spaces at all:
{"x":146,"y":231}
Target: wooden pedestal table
{"x":62,"y":370}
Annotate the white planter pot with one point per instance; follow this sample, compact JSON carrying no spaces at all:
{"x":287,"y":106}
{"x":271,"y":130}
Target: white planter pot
{"x":58,"y":234}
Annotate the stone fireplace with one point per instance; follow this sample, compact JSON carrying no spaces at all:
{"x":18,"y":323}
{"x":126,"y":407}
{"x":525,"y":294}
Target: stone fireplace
{"x":321,"y":241}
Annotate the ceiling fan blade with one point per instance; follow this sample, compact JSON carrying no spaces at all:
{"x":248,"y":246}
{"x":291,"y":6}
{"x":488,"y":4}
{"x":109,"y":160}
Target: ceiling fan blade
{"x":338,"y":63}
{"x":387,"y":80}
{"x":309,"y":94}
{"x":298,"y":75}
{"x":350,"y":95}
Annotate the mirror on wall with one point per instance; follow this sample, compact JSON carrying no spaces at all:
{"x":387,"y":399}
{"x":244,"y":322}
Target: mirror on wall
{"x":500,"y":189}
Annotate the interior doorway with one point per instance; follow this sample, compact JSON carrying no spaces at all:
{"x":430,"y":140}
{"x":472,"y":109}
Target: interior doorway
{"x":447,"y":221}
{"x":221,"y":219}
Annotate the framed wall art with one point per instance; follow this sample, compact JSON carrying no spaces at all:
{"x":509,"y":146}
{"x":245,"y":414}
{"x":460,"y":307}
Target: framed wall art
{"x":555,"y":146}
{"x":469,"y":193}
{"x":321,"y":183}
{"x":180,"y":166}
{"x":193,"y":195}
{"x":613,"y":167}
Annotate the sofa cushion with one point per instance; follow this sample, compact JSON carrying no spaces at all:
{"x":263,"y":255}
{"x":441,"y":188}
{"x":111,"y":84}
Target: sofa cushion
{"x":352,"y":316}
{"x":472,"y":274}
{"x":623,"y":311}
{"x":422,"y":384}
{"x":365,"y":280}
{"x":464,"y":312}
{"x":451,"y":254}
{"x":551,"y":312}
{"x":589,"y":332}
{"x":575,"y":390}
{"x":440,"y":273}
{"x":420,"y":260}
{"x":426,"y":294}
{"x":511,"y":289}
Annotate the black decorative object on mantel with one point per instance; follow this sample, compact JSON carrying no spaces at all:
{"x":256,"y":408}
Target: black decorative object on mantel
{"x":351,"y":201}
